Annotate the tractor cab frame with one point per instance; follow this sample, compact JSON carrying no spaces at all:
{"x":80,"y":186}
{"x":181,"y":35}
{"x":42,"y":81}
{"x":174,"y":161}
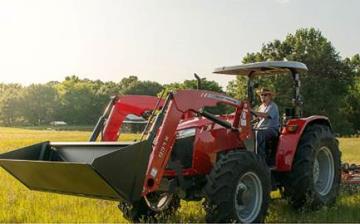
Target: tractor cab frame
{"x":270,"y":68}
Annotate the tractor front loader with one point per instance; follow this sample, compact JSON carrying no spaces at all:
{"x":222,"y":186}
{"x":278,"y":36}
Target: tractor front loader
{"x":133,"y":172}
{"x":93,"y":169}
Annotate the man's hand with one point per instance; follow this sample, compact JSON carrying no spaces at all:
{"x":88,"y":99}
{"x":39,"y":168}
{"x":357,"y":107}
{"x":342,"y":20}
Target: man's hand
{"x":260,"y":114}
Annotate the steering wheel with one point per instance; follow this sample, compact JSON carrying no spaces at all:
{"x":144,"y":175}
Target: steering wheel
{"x":253,"y":113}
{"x":255,"y":119}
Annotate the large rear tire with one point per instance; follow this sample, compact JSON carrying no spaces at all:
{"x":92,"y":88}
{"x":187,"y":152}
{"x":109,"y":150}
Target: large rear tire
{"x":155,"y":207}
{"x":315,"y":177}
{"x":238,"y":189}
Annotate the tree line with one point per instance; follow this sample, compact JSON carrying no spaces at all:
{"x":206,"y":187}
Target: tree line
{"x":75,"y":101}
{"x":330,"y":88}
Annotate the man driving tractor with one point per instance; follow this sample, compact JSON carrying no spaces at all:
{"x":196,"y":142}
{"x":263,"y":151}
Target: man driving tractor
{"x":268,"y":125}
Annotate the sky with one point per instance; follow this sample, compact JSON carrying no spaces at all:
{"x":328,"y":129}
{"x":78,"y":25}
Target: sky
{"x":158,"y":40}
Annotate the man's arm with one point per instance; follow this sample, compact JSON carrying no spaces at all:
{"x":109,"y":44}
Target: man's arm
{"x":261,"y":114}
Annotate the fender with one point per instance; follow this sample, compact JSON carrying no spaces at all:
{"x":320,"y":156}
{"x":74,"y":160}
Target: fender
{"x":288,"y":141}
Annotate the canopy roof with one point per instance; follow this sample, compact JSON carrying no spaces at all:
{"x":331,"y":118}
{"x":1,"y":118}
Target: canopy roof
{"x":263,"y":68}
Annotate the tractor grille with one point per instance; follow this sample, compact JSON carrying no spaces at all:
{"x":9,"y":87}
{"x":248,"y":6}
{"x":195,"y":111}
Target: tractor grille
{"x":183,"y":151}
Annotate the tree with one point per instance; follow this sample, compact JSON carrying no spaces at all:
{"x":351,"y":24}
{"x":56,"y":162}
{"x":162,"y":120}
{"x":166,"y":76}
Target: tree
{"x":143,"y":88}
{"x":352,"y":100}
{"x":128,"y":82}
{"x":324,"y":87}
{"x":132,"y":85}
{"x":39,"y":103}
{"x":81,"y":101}
{"x":10,"y":103}
{"x":192,"y":84}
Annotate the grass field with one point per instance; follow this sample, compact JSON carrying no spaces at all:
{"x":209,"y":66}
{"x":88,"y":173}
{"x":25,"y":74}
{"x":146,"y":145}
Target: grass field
{"x":18,"y":204}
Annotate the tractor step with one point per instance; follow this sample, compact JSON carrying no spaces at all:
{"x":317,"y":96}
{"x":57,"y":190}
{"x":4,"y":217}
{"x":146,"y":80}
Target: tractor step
{"x":272,"y":168}
{"x":113,"y":171}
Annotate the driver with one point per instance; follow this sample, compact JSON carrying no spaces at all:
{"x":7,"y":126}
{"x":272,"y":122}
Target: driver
{"x":268,"y":125}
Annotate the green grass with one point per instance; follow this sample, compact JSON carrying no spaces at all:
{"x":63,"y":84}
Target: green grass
{"x":60,"y":127}
{"x":18,"y":204}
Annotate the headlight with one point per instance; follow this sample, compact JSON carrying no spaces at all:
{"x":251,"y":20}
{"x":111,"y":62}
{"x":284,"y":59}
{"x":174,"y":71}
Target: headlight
{"x":186,"y":133}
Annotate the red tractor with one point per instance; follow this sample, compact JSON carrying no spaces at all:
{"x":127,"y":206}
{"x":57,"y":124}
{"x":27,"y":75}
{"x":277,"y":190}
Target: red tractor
{"x":187,"y":153}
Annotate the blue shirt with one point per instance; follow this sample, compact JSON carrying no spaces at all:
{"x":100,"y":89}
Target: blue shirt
{"x":273,"y":120}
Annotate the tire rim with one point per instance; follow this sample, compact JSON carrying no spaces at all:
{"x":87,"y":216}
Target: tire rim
{"x":158,"y":201}
{"x":248,"y":197}
{"x":323,"y":171}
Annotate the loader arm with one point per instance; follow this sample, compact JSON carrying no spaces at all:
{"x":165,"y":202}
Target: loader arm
{"x":175,"y":106}
{"x":125,"y":105}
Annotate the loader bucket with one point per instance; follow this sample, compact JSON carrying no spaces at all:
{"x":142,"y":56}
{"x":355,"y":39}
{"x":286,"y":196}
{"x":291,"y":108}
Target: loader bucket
{"x":113,"y":171}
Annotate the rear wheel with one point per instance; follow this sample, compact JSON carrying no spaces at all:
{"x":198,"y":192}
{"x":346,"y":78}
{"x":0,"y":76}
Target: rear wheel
{"x":238,"y":189}
{"x":152,"y":208}
{"x":315,"y":178}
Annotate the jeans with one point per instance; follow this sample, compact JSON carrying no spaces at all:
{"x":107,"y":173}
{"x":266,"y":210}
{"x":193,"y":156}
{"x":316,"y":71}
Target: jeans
{"x":263,"y":136}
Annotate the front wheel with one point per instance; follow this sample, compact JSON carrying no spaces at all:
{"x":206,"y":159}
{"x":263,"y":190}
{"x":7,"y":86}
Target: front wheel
{"x":155,"y":206}
{"x":238,"y":189}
